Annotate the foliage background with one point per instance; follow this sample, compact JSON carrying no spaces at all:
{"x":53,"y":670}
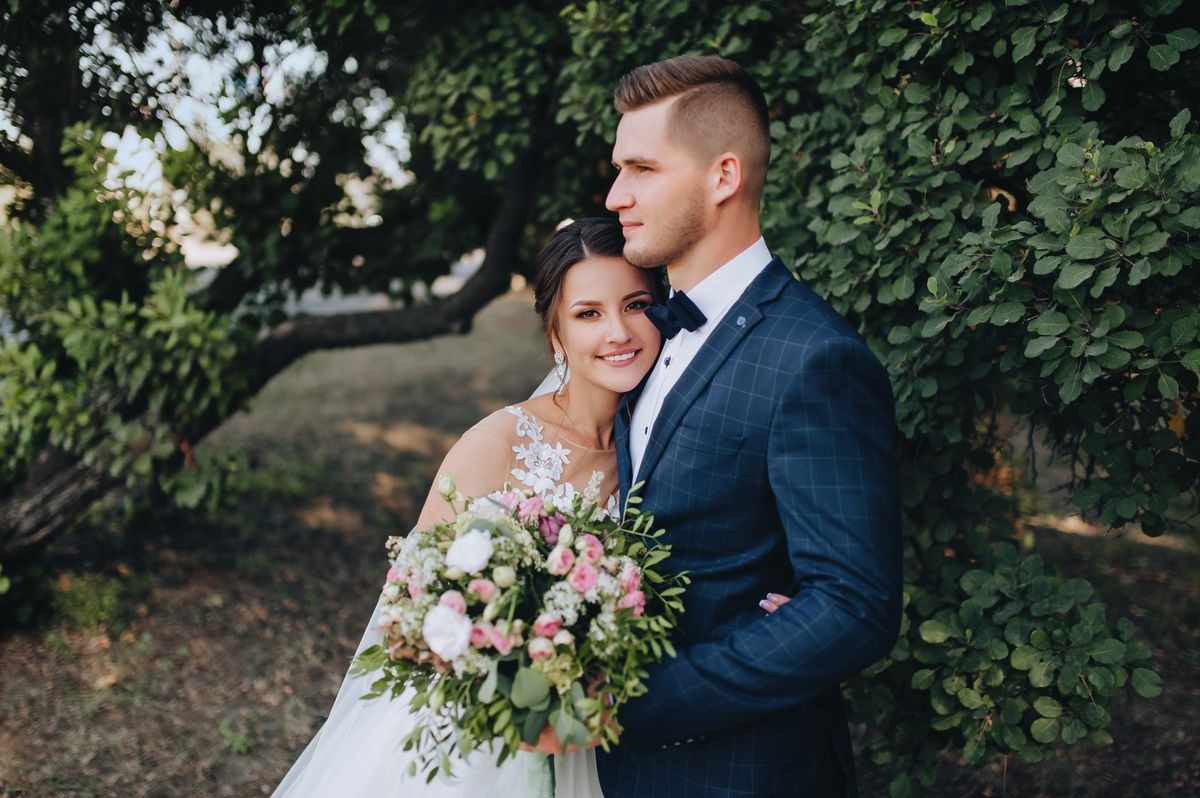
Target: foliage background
{"x":1003,"y":197}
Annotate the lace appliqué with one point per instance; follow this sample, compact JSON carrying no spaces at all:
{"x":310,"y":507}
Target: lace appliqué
{"x":540,"y":467}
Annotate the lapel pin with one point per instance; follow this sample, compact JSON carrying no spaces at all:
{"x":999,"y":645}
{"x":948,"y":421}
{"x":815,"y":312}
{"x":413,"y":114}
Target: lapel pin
{"x":741,"y":321}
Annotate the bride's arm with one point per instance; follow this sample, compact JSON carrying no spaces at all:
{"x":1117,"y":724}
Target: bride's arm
{"x":478,"y":463}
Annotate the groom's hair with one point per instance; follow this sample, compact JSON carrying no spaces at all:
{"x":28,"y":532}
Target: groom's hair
{"x":719,"y":108}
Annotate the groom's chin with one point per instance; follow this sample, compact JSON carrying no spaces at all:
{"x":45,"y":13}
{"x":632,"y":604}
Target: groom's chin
{"x":639,"y":257}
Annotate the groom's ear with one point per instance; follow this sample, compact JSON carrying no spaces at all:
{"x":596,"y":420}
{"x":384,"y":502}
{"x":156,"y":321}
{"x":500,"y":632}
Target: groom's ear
{"x":727,"y":177}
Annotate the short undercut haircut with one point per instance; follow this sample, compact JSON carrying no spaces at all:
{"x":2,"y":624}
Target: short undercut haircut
{"x":719,"y":108}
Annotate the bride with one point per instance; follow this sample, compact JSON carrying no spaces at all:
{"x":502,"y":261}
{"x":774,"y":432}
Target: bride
{"x":592,"y":304}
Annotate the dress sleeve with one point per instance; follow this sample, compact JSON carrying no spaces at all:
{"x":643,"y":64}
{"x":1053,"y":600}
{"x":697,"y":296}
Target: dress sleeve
{"x":479,"y":463}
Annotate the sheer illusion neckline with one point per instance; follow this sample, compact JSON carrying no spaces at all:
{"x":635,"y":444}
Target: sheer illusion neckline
{"x":557,"y":430}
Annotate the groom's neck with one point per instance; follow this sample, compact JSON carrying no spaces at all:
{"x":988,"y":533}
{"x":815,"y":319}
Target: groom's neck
{"x":711,"y":252}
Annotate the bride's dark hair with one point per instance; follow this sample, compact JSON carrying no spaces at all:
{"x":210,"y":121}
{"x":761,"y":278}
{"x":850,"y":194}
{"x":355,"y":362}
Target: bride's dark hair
{"x":579,"y":240}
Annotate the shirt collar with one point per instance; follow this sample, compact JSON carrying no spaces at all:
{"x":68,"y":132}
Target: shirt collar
{"x":716,"y":292}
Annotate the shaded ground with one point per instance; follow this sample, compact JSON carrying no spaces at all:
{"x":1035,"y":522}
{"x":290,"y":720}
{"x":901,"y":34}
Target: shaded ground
{"x":228,"y":637}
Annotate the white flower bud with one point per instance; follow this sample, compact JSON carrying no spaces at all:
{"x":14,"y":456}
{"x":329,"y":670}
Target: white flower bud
{"x":563,"y":638}
{"x":446,"y":486}
{"x":566,"y":535}
{"x":504,"y":576}
{"x":491,"y":611}
{"x":454,"y":573}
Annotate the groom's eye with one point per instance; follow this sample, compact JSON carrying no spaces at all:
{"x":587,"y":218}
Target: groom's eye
{"x":638,"y":304}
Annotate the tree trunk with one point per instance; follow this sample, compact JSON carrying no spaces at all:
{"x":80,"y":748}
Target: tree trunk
{"x":60,"y":486}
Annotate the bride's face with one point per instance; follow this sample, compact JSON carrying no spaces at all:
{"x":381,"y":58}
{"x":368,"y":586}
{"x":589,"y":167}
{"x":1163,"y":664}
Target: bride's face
{"x":602,"y":326}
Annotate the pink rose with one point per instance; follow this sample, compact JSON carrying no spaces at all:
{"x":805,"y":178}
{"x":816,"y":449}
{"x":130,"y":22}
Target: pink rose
{"x":631,"y":580}
{"x":547,"y":624}
{"x":590,"y":549}
{"x":635,"y":601}
{"x":484,"y":588}
{"x":394,"y":574}
{"x":583,"y":578}
{"x":509,"y":499}
{"x":415,"y":590}
{"x":454,"y":600}
{"x":481,"y":635}
{"x":560,"y":560}
{"x":530,"y":509}
{"x":549,"y":526}
{"x":502,"y":642}
{"x":540,"y":648}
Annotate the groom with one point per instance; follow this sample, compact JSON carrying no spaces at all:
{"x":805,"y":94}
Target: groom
{"x":765,"y":438}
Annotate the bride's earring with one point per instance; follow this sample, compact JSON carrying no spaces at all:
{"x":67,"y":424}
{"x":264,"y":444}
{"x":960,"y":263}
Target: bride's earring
{"x":560,"y":371}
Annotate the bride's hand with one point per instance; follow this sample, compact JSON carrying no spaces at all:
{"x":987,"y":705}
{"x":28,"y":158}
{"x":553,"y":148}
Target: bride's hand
{"x":548,"y":743}
{"x":773,"y":601}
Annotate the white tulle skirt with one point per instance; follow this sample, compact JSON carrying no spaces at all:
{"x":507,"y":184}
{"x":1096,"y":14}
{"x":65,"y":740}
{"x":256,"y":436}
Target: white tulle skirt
{"x":358,"y":753}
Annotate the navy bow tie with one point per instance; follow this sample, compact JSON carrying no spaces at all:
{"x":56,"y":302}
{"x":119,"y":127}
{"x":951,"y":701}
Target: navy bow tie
{"x":677,"y":313}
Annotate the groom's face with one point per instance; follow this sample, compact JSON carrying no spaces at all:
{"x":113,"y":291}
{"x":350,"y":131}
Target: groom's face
{"x":659,"y":191}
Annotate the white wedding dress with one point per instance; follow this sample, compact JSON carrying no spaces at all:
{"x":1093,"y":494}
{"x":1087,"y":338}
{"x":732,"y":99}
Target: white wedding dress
{"x":358,"y":752}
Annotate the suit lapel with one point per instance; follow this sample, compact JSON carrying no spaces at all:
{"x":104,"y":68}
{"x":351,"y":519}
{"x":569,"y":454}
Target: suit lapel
{"x":624,"y":459}
{"x":734,"y":325}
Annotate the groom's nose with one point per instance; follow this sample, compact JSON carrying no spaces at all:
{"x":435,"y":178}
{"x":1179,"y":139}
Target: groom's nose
{"x":618,"y":197}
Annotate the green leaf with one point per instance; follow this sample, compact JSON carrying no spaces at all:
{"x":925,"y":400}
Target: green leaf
{"x":1044,"y":730}
{"x":1190,"y":217}
{"x":1093,"y":96}
{"x":1023,"y":40}
{"x":1037,"y":346}
{"x":1179,"y":123}
{"x":1089,"y":244}
{"x":529,"y":688}
{"x":922,"y":679}
{"x":1146,"y":682}
{"x":933,"y":631}
{"x":1168,"y":386}
{"x":1071,"y":154}
{"x":1183,"y":39}
{"x":1025,"y":657}
{"x":1120,"y":55}
{"x":841,"y":233}
{"x":1163,"y":57}
{"x":929,"y":19}
{"x":1050,"y":323}
{"x":1109,"y":650}
{"x":1047,"y":707}
{"x":1132,"y":176}
{"x":892,"y":36}
{"x":1074,"y":274}
{"x":1007,"y":313}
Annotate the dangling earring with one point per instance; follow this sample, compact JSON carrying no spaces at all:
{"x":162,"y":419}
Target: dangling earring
{"x":560,"y":371}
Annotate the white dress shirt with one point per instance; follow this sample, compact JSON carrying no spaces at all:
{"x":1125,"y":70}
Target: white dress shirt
{"x":714,"y":295}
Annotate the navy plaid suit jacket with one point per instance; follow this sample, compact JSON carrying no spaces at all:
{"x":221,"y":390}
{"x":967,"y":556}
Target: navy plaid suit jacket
{"x":772,"y":467}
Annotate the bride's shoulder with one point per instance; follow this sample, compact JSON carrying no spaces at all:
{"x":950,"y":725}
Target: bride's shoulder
{"x":518,"y":422}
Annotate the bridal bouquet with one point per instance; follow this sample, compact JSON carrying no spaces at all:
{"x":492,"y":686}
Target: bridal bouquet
{"x":521,"y":613}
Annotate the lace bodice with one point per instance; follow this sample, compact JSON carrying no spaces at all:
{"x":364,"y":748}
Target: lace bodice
{"x":545,"y":466}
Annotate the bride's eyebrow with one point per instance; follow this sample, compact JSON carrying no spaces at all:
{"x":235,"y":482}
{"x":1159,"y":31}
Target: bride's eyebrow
{"x":596,"y":303}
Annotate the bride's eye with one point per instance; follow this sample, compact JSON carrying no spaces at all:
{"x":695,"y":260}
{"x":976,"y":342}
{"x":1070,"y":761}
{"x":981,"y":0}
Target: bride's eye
{"x":638,"y":304}
{"x":588,"y":314}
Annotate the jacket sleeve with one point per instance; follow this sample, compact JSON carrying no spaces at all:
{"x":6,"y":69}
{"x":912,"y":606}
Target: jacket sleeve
{"x":832,"y":469}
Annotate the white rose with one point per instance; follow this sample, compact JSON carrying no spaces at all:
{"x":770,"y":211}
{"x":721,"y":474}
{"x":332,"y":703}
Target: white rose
{"x":447,"y":633}
{"x":471,"y":552}
{"x":563,"y":638}
{"x":540,"y":648}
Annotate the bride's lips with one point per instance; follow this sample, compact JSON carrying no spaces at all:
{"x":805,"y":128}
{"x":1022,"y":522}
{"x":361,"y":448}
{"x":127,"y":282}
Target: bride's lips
{"x":625,"y":357}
